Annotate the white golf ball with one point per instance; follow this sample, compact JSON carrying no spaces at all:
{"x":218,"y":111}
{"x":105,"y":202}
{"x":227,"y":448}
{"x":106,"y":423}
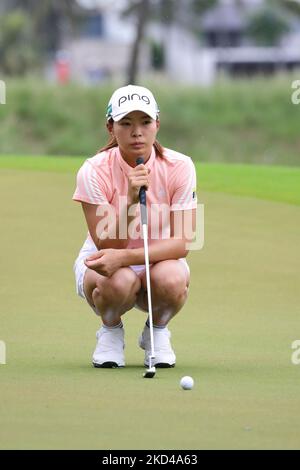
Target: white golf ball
{"x":187,"y":382}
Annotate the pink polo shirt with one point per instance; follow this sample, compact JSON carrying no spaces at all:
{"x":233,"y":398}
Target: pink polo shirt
{"x":103,"y":179}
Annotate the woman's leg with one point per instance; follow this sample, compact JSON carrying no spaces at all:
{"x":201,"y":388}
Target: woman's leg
{"x":112,"y":296}
{"x":169,"y":289}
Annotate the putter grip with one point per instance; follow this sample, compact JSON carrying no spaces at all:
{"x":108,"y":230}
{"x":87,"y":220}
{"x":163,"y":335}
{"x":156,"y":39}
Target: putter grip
{"x":142,"y":196}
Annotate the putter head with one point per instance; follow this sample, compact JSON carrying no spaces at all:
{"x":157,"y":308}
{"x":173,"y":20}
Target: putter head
{"x":150,"y":373}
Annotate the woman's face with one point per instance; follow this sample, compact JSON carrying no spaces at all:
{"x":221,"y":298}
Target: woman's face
{"x":135,"y":134}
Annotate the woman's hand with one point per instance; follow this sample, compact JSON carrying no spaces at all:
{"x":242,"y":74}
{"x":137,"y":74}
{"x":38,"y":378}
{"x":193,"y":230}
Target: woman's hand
{"x":106,"y":262}
{"x":137,"y":177}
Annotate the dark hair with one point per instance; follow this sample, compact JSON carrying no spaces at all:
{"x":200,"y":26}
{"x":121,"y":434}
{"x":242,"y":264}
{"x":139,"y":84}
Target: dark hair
{"x":112,"y":143}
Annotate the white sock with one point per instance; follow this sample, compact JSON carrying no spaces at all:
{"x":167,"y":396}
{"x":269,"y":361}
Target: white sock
{"x":120,"y":325}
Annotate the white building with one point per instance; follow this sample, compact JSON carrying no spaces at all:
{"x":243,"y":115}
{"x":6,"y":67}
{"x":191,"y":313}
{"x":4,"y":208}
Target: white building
{"x":102,"y":49}
{"x":226,"y":47}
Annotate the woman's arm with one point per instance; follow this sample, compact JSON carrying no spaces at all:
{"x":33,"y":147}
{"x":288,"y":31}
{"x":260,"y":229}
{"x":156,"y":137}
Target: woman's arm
{"x":158,"y":251}
{"x":97,"y":218}
{"x":183,"y":227}
{"x":182,"y":231}
{"x":105,"y":224}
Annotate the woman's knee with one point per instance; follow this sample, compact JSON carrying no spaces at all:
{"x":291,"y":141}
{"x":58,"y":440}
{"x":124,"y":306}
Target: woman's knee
{"x":123,"y":284}
{"x":173,"y":286}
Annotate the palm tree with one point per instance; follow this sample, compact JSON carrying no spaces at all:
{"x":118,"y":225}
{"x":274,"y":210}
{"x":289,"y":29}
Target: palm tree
{"x":165,"y":11}
{"x":142,"y":13}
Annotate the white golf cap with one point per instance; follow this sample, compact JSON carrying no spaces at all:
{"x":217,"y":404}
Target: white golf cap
{"x":131,"y":98}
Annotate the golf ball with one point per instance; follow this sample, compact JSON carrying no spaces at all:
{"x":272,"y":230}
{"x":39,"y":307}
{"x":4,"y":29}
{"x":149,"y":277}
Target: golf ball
{"x":187,"y":383}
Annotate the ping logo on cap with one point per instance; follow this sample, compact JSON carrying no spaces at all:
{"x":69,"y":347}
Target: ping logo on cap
{"x":131,"y":98}
{"x":124,"y":98}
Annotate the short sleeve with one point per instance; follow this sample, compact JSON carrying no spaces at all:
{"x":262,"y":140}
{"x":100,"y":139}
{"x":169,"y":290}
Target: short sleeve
{"x":90,"y":186}
{"x":184,"y":190}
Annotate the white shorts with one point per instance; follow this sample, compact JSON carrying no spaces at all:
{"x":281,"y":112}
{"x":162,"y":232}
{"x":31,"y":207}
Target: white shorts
{"x":80,"y":268}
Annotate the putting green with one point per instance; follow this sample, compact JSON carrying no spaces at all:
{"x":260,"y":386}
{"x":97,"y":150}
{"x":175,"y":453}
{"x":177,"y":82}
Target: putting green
{"x":233,"y":336}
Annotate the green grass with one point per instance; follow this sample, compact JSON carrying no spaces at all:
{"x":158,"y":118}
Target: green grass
{"x":233,"y":336}
{"x":62,"y":164}
{"x":272,"y":183}
{"x":237,"y":121}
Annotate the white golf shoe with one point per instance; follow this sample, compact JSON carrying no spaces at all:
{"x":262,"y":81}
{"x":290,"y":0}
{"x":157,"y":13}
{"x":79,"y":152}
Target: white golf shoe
{"x":164,"y":354}
{"x":109,"y":352}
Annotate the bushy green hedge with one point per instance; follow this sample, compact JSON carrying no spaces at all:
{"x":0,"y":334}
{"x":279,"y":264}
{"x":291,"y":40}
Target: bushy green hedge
{"x":234,"y":121}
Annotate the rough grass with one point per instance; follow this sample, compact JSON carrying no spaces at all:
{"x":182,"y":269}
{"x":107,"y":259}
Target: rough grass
{"x":250,"y":121}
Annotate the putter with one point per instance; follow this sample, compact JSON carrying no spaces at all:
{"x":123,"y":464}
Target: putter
{"x":150,"y":372}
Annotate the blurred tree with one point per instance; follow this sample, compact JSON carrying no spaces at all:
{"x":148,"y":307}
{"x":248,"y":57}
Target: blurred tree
{"x":34,"y":28}
{"x":200,"y":6}
{"x":293,"y":6}
{"x":186,"y":13}
{"x":18,"y":53}
{"x":267,"y":26}
{"x":52,"y":19}
{"x":142,"y":13}
{"x":157,"y":55}
{"x":165,"y":11}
